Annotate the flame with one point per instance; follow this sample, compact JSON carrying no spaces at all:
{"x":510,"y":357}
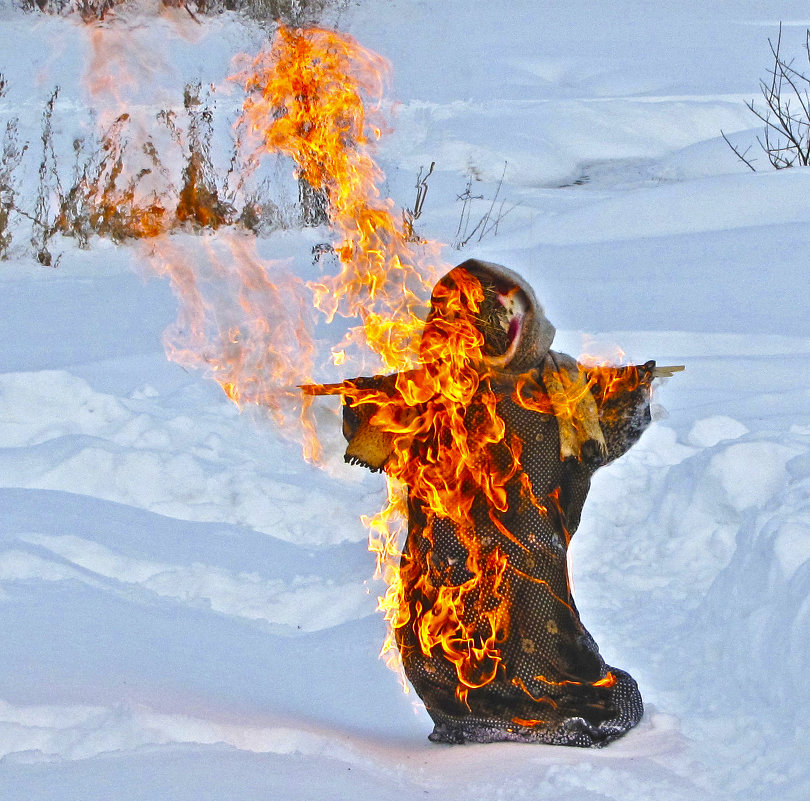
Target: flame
{"x":128,"y":194}
{"x":456,"y":469}
{"x":318,"y":98}
{"x":609,"y":680}
{"x":609,"y":373}
{"x":245,"y":321}
{"x":529,"y":724}
{"x":123,"y":58}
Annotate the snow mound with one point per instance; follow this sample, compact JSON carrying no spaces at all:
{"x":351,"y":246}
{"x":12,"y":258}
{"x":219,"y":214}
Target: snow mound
{"x":57,"y":433}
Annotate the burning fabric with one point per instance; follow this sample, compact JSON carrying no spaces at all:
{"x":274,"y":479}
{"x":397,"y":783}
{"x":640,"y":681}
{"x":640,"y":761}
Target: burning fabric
{"x":496,"y":438}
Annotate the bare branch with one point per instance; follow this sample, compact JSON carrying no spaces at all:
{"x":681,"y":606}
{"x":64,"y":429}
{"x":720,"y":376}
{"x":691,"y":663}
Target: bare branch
{"x":786,"y":115}
{"x":740,"y":156}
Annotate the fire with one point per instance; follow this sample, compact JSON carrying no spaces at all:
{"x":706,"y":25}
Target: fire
{"x":475,"y":656}
{"x":317,"y":97}
{"x":128,"y":194}
{"x":454,"y":432}
{"x":243,"y":320}
{"x":455,"y":469}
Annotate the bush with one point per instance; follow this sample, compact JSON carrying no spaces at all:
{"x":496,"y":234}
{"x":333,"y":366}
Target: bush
{"x":129,"y":184}
{"x":12,"y":154}
{"x":786,"y":113}
{"x":296,"y":13}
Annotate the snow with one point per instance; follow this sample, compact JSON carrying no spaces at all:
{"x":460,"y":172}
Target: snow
{"x":187,"y":606}
{"x":710,"y":430}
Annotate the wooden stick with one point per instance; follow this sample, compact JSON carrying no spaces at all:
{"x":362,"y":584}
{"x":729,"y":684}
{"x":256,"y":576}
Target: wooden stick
{"x":666,"y":372}
{"x":341,"y":387}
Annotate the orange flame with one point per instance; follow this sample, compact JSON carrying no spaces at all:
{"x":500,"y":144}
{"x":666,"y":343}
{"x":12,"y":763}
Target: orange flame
{"x":244,"y":320}
{"x":456,"y":469}
{"x":129,"y":195}
{"x":317,"y":97}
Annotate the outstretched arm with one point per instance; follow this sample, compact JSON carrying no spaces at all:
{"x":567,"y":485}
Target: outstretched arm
{"x":622,"y":396}
{"x":369,"y":444}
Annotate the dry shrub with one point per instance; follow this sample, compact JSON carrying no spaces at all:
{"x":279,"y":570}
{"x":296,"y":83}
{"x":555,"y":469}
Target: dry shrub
{"x":12,"y":155}
{"x":785,"y":112}
{"x":297,"y":13}
{"x":200,"y":204}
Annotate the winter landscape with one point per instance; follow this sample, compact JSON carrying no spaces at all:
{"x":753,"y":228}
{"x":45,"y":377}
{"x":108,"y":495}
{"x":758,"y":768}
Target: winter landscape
{"x":187,"y":605}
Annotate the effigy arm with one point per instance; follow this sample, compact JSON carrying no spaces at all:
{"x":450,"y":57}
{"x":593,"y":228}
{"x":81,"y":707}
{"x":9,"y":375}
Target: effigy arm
{"x":622,"y":396}
{"x":369,"y":445}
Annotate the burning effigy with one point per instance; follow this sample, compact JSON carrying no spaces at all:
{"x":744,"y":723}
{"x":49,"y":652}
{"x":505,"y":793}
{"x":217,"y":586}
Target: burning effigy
{"x":496,"y":438}
{"x":488,"y":438}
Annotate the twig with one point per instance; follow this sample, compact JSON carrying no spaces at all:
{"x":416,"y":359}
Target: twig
{"x":740,"y":156}
{"x":409,"y":216}
{"x":786,"y":136}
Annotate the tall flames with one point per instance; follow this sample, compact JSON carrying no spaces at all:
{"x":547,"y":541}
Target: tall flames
{"x":456,"y":468}
{"x":317,"y":97}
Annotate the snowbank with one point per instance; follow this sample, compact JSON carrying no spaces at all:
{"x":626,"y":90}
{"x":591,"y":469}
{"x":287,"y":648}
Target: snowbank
{"x":187,"y":607}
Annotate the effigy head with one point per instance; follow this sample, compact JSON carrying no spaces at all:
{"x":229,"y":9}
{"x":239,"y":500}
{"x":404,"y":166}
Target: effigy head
{"x":492,"y":313}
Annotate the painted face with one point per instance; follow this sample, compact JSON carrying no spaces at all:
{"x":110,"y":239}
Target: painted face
{"x":513,"y":309}
{"x":510,"y":307}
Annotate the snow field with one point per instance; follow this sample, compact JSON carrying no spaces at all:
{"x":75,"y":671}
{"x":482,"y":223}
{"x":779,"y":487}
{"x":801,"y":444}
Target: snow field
{"x":681,"y":502}
{"x":186,"y":607}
